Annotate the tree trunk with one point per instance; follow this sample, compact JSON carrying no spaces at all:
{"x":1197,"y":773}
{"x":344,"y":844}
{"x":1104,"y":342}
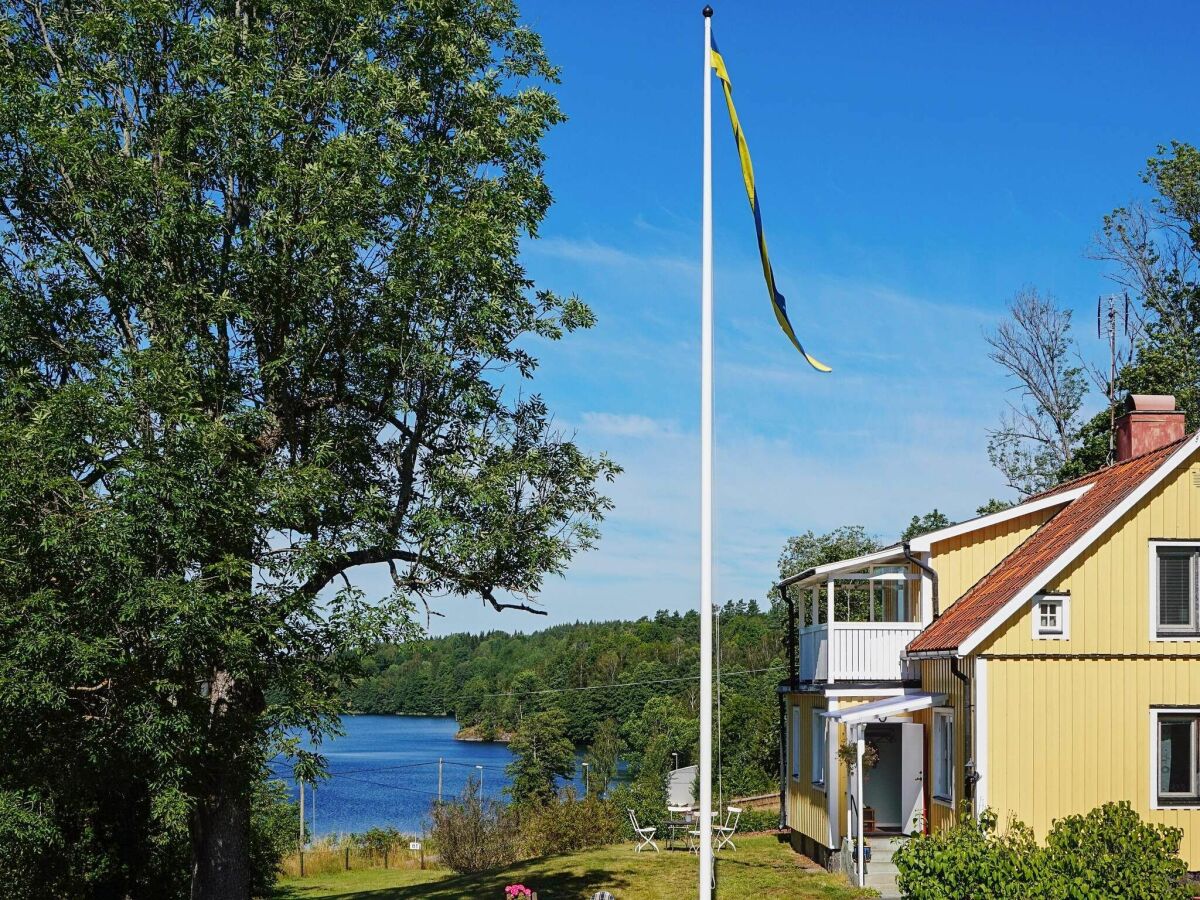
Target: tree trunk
{"x":221,"y":822}
{"x":221,"y":843}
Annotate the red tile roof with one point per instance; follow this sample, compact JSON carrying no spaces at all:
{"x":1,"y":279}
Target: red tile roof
{"x":1030,"y":559}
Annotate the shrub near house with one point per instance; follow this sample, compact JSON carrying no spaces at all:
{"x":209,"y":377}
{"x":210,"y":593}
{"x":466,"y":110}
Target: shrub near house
{"x":1108,"y":853}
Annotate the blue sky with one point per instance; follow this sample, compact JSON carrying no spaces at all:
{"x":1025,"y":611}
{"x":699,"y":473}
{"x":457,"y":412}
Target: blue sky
{"x":917,"y":164}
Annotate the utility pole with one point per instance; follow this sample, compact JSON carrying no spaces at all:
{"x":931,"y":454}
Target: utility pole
{"x":585,"y":780}
{"x":439,"y":779}
{"x":314,"y":811}
{"x":301,"y":816}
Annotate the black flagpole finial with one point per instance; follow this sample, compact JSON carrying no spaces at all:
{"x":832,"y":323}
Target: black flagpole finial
{"x":708,"y":12}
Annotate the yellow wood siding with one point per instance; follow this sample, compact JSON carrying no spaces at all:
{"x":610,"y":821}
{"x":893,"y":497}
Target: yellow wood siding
{"x":807,"y":810}
{"x":807,"y":806}
{"x":963,"y":560}
{"x":937,"y":678}
{"x":1068,"y":735}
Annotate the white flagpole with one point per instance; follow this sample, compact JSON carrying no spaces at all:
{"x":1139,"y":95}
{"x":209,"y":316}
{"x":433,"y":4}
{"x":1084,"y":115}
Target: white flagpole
{"x":706,"y":482}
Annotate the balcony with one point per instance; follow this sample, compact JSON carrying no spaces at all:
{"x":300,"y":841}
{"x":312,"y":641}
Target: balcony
{"x":856,"y":651}
{"x":858,"y":619}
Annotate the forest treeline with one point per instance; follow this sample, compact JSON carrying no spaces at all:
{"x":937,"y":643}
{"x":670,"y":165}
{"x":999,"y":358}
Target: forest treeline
{"x":637,"y":678}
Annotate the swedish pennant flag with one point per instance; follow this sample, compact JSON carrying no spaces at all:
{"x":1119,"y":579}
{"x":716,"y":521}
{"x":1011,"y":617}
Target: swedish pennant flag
{"x":778,"y":301}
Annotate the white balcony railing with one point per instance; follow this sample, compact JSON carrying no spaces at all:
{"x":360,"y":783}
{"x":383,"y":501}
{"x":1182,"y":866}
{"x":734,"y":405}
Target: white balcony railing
{"x":856,"y":651}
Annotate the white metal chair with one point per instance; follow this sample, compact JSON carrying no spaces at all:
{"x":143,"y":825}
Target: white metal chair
{"x":645,"y":835}
{"x":693,"y":835}
{"x":723,"y":834}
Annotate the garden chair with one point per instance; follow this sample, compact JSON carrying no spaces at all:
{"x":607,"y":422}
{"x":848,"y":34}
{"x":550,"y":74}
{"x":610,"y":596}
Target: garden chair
{"x":723,"y":834}
{"x":693,"y":835}
{"x":645,"y":835}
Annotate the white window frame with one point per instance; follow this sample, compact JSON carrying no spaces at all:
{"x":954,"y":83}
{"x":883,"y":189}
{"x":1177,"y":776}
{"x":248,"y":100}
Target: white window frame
{"x":796,"y":743}
{"x":1063,"y":601}
{"x":1186,"y":801}
{"x":1170,"y":635}
{"x":943,"y":760}
{"x":818,"y":739}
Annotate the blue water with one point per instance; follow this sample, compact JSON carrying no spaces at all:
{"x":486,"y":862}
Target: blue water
{"x":384,"y":771}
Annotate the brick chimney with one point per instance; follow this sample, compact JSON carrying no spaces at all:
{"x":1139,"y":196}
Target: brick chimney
{"x":1150,"y":421}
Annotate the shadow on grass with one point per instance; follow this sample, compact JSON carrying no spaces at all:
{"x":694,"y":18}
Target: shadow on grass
{"x":550,"y":886}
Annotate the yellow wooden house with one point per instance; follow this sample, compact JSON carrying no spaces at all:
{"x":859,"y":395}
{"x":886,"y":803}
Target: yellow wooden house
{"x":1039,"y":661}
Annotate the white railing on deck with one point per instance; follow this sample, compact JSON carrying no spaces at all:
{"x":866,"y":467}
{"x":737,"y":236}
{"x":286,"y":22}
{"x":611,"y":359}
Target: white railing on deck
{"x":858,"y":651}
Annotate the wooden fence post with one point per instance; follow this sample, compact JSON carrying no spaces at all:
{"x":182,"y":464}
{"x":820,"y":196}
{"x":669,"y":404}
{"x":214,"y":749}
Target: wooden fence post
{"x":347,"y":868}
{"x":385,"y":856}
{"x":301,"y":862}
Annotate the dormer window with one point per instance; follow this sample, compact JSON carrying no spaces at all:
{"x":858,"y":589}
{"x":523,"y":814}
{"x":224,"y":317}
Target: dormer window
{"x":1174,"y":595}
{"x":1050,"y":617}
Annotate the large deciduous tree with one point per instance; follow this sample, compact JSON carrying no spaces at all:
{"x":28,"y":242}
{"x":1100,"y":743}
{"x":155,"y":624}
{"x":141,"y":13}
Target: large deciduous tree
{"x":1037,"y":435}
{"x":262,"y":322}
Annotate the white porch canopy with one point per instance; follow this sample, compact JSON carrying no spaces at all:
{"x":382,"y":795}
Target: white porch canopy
{"x":878,"y":710}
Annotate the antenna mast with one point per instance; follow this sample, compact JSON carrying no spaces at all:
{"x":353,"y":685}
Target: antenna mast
{"x":1109,"y":327}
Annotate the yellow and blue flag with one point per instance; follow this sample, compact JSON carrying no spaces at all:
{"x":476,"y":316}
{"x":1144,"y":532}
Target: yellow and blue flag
{"x":777,"y":299}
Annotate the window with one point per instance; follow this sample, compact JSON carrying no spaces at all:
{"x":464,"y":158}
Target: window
{"x":796,"y":742}
{"x":943,"y":756}
{"x":818,"y":747}
{"x":1177,"y":755}
{"x":1176,"y":607}
{"x":1051,"y":613}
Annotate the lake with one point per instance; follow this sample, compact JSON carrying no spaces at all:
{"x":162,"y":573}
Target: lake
{"x":384,"y":771}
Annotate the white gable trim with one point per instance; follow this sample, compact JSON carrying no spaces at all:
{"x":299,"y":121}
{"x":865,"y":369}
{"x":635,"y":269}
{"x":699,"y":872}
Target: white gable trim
{"x":822,"y":572}
{"x":924,"y":543}
{"x":1023,"y":596}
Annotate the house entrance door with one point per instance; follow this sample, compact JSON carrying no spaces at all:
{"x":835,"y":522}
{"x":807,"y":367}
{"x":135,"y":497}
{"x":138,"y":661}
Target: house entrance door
{"x":912,"y":776}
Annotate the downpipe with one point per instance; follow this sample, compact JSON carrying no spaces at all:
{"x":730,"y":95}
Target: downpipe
{"x":928,"y":570}
{"x":970,"y":776}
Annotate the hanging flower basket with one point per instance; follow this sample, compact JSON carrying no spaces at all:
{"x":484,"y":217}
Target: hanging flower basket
{"x":848,"y":754}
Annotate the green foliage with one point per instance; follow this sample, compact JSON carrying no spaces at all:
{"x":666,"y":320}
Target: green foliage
{"x":603,"y":757}
{"x":262,"y":314}
{"x":1108,"y":853}
{"x":920,"y":525}
{"x":473,"y":834}
{"x":377,"y":840}
{"x":648,"y":800}
{"x":970,"y":860}
{"x":804,"y":551}
{"x":994,"y":506}
{"x":542,"y":754}
{"x":1111,"y":852}
{"x":568,"y":824}
{"x":273,"y":819}
{"x":758,"y":820}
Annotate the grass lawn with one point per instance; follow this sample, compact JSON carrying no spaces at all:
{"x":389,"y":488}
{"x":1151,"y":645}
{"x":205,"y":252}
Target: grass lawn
{"x":761,"y":868}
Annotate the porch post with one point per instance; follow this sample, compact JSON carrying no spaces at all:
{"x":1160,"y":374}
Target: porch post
{"x":831,"y":660}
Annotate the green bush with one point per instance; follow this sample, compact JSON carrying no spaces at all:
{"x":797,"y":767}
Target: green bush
{"x":970,"y":860}
{"x":1109,"y":853}
{"x":759,"y":820}
{"x":647,"y":802}
{"x":569,"y":824}
{"x":474,"y":835}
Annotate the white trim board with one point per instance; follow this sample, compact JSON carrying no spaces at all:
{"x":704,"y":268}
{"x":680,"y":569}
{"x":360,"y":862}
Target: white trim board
{"x":1155,"y":712}
{"x":925,"y":542}
{"x":1068,"y":556}
{"x":981,"y":735}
